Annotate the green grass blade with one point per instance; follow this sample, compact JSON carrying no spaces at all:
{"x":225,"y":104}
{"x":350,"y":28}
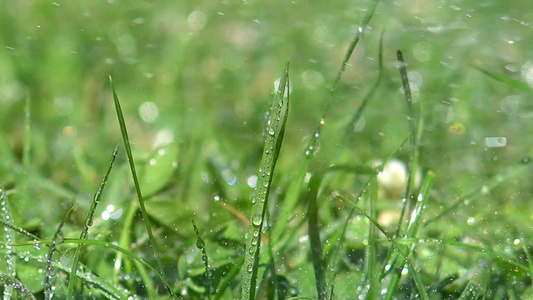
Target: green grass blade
{"x":12,"y":283}
{"x":88,"y":223}
{"x":26,"y":155}
{"x":275,"y":129}
{"x":225,"y":282}
{"x":413,"y":141}
{"x":200,"y":244}
{"x":7,"y":238}
{"x":314,"y":236}
{"x":57,"y":239}
{"x":146,"y":218}
{"x":372,"y":269}
{"x":289,"y":202}
{"x":504,"y":79}
{"x":401,"y":253}
{"x":359,"y":112}
{"x":355,"y":41}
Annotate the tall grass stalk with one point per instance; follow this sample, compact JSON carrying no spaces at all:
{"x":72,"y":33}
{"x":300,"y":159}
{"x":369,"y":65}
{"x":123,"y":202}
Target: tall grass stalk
{"x":146,"y":218}
{"x":274,"y":132}
{"x":314,"y":236}
{"x":87,"y":225}
{"x":49,"y":271}
{"x":8,"y":239}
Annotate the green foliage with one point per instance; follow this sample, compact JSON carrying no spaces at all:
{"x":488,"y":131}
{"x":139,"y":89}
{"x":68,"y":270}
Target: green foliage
{"x":402,"y":175}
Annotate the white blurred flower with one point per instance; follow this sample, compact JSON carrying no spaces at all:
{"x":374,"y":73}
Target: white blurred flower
{"x":393,"y":179}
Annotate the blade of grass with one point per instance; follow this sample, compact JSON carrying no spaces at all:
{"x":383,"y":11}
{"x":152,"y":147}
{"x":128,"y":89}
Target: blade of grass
{"x":412,"y":138}
{"x":504,"y":79}
{"x":371,"y":253}
{"x":13,"y":283}
{"x":314,"y":236}
{"x":88,"y":223}
{"x":348,"y":132}
{"x":146,"y":218}
{"x":275,"y":129}
{"x":225,"y":282}
{"x":26,"y":155}
{"x":397,"y":262}
{"x":200,"y":244}
{"x":57,"y":239}
{"x":7,"y":237}
{"x":314,"y":143}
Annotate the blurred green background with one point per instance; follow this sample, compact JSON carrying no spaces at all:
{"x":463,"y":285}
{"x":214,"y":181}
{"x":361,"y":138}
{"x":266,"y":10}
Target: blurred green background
{"x":201,"y":73}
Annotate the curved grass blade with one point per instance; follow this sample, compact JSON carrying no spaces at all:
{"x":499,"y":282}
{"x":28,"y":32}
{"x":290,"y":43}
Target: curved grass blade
{"x":12,"y":283}
{"x":7,"y":238}
{"x":146,"y":218}
{"x":274,"y":131}
{"x":88,"y":223}
{"x":314,"y":143}
{"x":58,"y":236}
{"x":357,"y":116}
{"x":413,"y":141}
{"x":200,"y":244}
{"x":314,"y":236}
{"x":354,"y":42}
{"x":506,"y":80}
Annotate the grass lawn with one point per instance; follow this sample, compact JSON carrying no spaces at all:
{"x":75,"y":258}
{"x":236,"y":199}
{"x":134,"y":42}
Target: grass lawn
{"x":266,"y":149}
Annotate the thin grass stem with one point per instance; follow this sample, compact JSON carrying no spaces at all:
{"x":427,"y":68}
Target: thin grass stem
{"x":146,"y":218}
{"x":274,"y":132}
{"x":87,"y":225}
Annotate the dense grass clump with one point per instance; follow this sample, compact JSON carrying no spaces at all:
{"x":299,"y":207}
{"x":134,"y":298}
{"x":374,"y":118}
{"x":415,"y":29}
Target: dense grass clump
{"x":391,"y":161}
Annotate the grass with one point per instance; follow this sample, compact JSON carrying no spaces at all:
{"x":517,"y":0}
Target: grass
{"x":441,"y":93}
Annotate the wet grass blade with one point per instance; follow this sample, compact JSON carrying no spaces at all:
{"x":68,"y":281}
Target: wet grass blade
{"x":274,"y":131}
{"x":146,"y":218}
{"x":8,"y":239}
{"x":57,"y":239}
{"x":26,"y":154}
{"x":354,"y":42}
{"x":200,"y":244}
{"x":225,"y":282}
{"x":314,"y":236}
{"x":401,"y":253}
{"x":506,"y":80}
{"x":357,"y":116}
{"x":12,"y":283}
{"x":88,"y":223}
{"x":371,"y":252}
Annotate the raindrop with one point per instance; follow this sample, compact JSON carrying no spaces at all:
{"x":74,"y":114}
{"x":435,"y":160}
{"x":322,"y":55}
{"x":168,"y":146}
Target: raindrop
{"x":271,"y":131}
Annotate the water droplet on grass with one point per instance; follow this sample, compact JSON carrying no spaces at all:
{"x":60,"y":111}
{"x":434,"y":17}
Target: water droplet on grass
{"x":257,"y":220}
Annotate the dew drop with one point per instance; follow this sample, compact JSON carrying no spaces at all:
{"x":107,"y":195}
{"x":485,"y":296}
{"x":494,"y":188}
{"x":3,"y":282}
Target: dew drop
{"x":257,"y":220}
{"x":271,"y":131}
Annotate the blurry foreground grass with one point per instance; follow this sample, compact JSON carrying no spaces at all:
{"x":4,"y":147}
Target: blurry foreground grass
{"x":195,"y":80}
